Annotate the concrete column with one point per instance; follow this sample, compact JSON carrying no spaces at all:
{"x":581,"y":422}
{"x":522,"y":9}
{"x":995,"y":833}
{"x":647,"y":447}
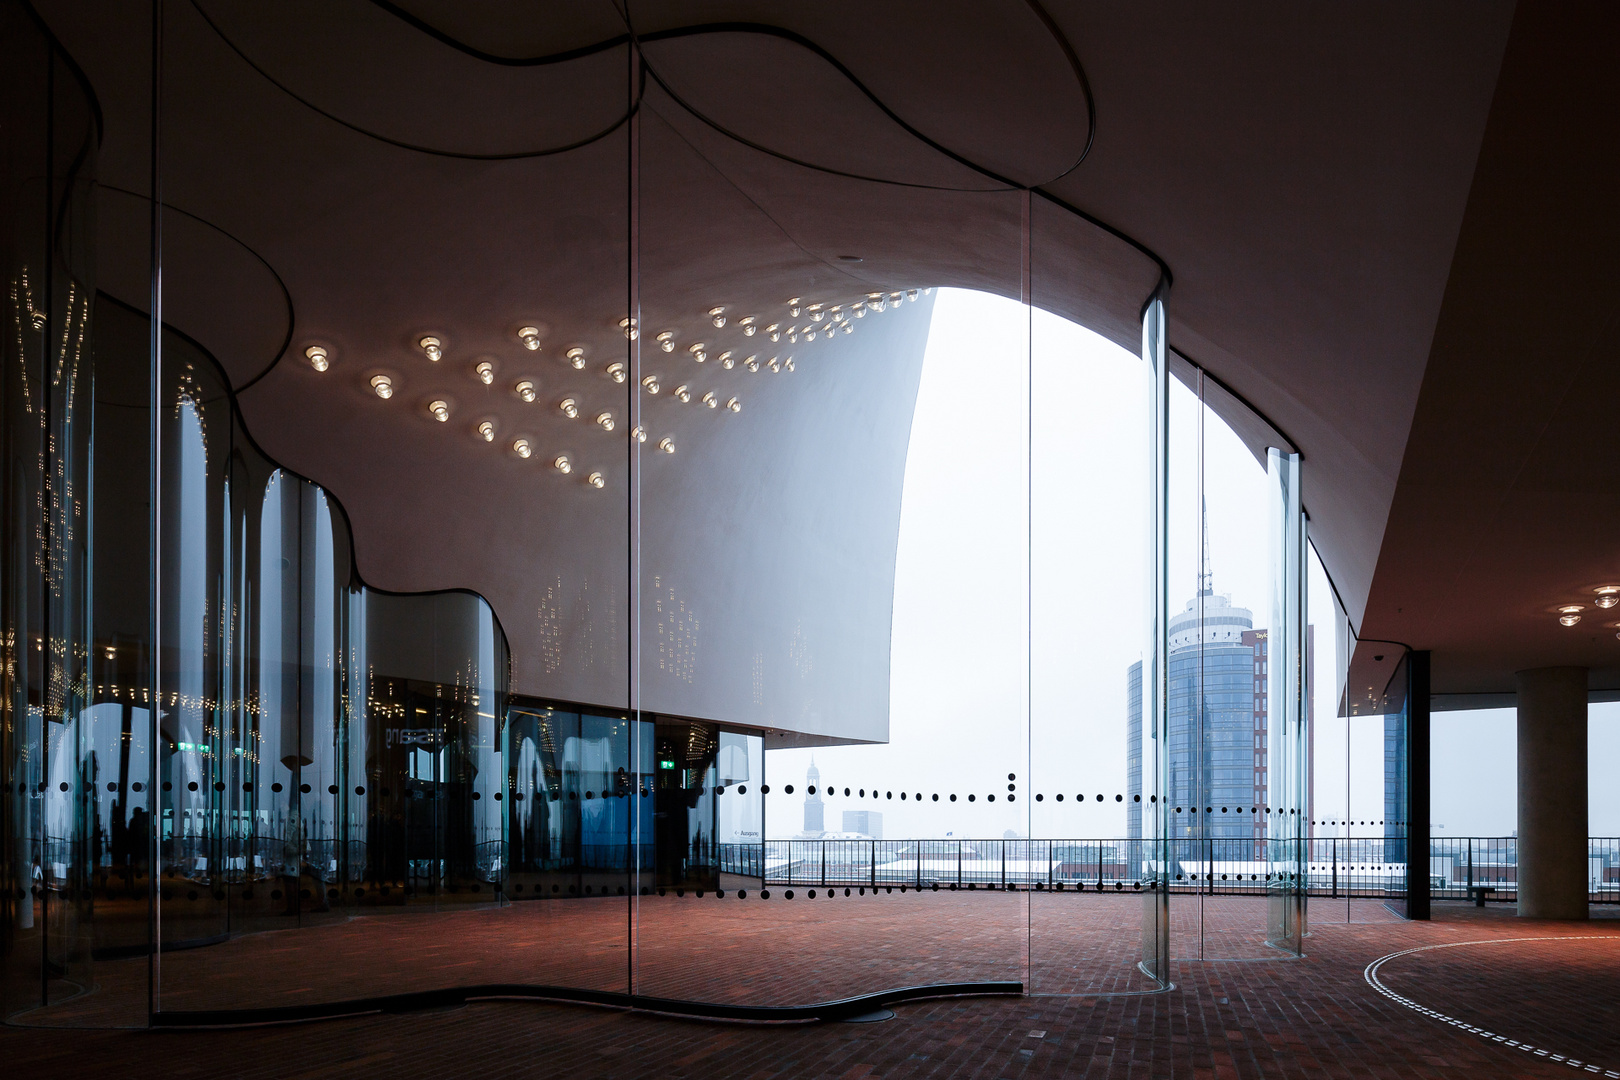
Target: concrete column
{"x":1552,"y":793}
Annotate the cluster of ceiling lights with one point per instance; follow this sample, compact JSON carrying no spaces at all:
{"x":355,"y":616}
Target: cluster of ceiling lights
{"x":1608,"y":596}
{"x":820,"y":320}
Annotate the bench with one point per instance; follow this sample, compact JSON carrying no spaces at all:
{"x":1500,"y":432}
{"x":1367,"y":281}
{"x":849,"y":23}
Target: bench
{"x":1476,"y":893}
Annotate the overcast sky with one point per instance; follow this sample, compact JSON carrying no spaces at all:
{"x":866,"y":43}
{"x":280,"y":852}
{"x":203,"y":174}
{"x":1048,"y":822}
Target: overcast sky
{"x":1018,"y":603}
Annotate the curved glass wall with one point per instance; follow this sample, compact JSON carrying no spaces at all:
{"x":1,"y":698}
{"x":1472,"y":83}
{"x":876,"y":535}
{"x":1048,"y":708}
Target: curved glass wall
{"x":811,"y":618}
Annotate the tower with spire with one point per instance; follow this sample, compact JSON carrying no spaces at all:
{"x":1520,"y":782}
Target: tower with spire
{"x":814,"y":812}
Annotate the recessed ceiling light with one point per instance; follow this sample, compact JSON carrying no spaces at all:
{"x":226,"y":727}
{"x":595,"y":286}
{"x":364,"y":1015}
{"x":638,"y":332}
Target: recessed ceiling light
{"x":562,"y":464}
{"x":1608,"y":596}
{"x":440,"y":410}
{"x":595,"y":480}
{"x":525,"y":389}
{"x":698,"y":352}
{"x":752,"y":363}
{"x":630,"y":328}
{"x":568,"y":407}
{"x":774,"y":332}
{"x":521,"y":448}
{"x":667,"y":445}
{"x":638,"y":433}
{"x":485,"y":372}
{"x":773,"y":364}
{"x":383,"y":386}
{"x":911,"y":294}
{"x":650,"y":384}
{"x":793,"y":307}
{"x":576,"y":358}
{"x":530,"y":336}
{"x":747,"y":324}
{"x":710,"y":400}
{"x":486,"y":430}
{"x":604,"y":421}
{"x":734,"y":405}
{"x":683,"y":392}
{"x":616,"y":372}
{"x":725,"y":360}
{"x":717,"y":316}
{"x":1569,"y":614}
{"x":666,"y":340}
{"x":317,"y":357}
{"x":815,"y":312}
{"x":433,"y":348}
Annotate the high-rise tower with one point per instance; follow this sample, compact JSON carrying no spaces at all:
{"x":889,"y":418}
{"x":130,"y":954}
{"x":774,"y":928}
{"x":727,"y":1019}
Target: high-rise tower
{"x":814,"y":812}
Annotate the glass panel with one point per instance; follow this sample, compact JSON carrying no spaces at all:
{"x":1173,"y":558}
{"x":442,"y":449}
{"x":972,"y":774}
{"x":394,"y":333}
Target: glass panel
{"x":1154,"y":762}
{"x":1288,"y":700}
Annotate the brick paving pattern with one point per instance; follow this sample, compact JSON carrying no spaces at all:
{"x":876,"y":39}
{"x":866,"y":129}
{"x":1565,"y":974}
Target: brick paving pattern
{"x":1237,"y":1018}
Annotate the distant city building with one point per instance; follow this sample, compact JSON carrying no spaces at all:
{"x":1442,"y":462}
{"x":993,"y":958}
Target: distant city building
{"x":867,"y":823}
{"x":1217,"y":724}
{"x":815,"y":822}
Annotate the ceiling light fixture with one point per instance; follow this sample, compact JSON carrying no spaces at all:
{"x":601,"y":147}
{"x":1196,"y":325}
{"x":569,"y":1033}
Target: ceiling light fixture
{"x":667,"y":445}
{"x":710,"y":400}
{"x":698,"y":352}
{"x":911,"y":294}
{"x":595,"y":480}
{"x":684,"y":393}
{"x":793,"y":307}
{"x":815,"y":313}
{"x":726,"y":361}
{"x":849,"y":328}
{"x":383,"y":386}
{"x":433,"y":347}
{"x":631,"y":331}
{"x":650,"y":384}
{"x":1570,"y":614}
{"x":638,"y":433}
{"x":569,"y":408}
{"x":485,"y":372}
{"x":666,"y":340}
{"x":773,"y":364}
{"x":576,"y":358}
{"x":317,"y":357}
{"x":521,"y":448}
{"x":616,"y":372}
{"x":787,"y":363}
{"x":774,"y":332}
{"x":717,"y":316}
{"x":734,"y":405}
{"x":752,"y":363}
{"x":486,"y":430}
{"x":604,"y":421}
{"x":747,"y":324}
{"x":530,"y":336}
{"x":1608,"y":596}
{"x":562,"y":464}
{"x":525,"y":390}
{"x":440,"y":410}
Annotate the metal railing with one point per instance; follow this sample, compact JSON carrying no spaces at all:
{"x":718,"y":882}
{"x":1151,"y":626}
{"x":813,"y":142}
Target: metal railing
{"x":1460,"y":868}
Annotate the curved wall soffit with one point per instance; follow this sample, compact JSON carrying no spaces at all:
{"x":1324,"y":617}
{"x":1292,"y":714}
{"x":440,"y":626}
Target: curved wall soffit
{"x":73,"y":68}
{"x":228,"y":297}
{"x":332,"y":500}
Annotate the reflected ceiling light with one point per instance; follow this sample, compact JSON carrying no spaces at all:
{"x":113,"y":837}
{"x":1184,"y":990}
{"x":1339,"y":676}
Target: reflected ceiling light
{"x":1569,"y":614}
{"x":787,"y":363}
{"x":698,"y":352}
{"x":562,"y":464}
{"x":617,"y":372}
{"x":815,"y":313}
{"x":485,"y":372}
{"x":638,"y":433}
{"x":568,"y":407}
{"x":896,"y":297}
{"x":604,"y":421}
{"x":752,"y":363}
{"x":650,"y":384}
{"x":576,"y":358}
{"x":595,"y":480}
{"x":773,"y":364}
{"x":809,"y":334}
{"x":440,"y":410}
{"x":726,"y":361}
{"x":530,"y":336}
{"x":317,"y":357}
{"x":667,"y":445}
{"x":793,"y":307}
{"x":860,"y":311}
{"x":433,"y":348}
{"x":849,"y":328}
{"x":383,"y":386}
{"x":710,"y":400}
{"x":774,"y":332}
{"x":747,"y":324}
{"x":911,"y":294}
{"x":734,"y":405}
{"x":666,"y":341}
{"x":1608,"y":596}
{"x":521,"y":448}
{"x":109,"y":652}
{"x":525,"y":390}
{"x":630,"y":328}
{"x":486,"y":430}
{"x":684,"y":393}
{"x":717,"y":316}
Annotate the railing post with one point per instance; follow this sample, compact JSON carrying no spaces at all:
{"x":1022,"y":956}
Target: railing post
{"x":874,"y":865}
{"x":1335,"y":867}
{"x":824,"y":863}
{"x":959,"y":863}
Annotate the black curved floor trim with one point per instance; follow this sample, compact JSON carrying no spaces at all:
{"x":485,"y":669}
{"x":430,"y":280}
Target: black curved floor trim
{"x":438,"y":999}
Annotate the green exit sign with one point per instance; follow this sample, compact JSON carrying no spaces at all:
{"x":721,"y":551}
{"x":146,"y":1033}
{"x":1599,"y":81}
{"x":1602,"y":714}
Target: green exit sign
{"x":666,"y":764}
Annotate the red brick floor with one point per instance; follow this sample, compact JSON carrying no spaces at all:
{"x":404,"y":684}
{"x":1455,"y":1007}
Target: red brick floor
{"x":1226,"y":1018}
